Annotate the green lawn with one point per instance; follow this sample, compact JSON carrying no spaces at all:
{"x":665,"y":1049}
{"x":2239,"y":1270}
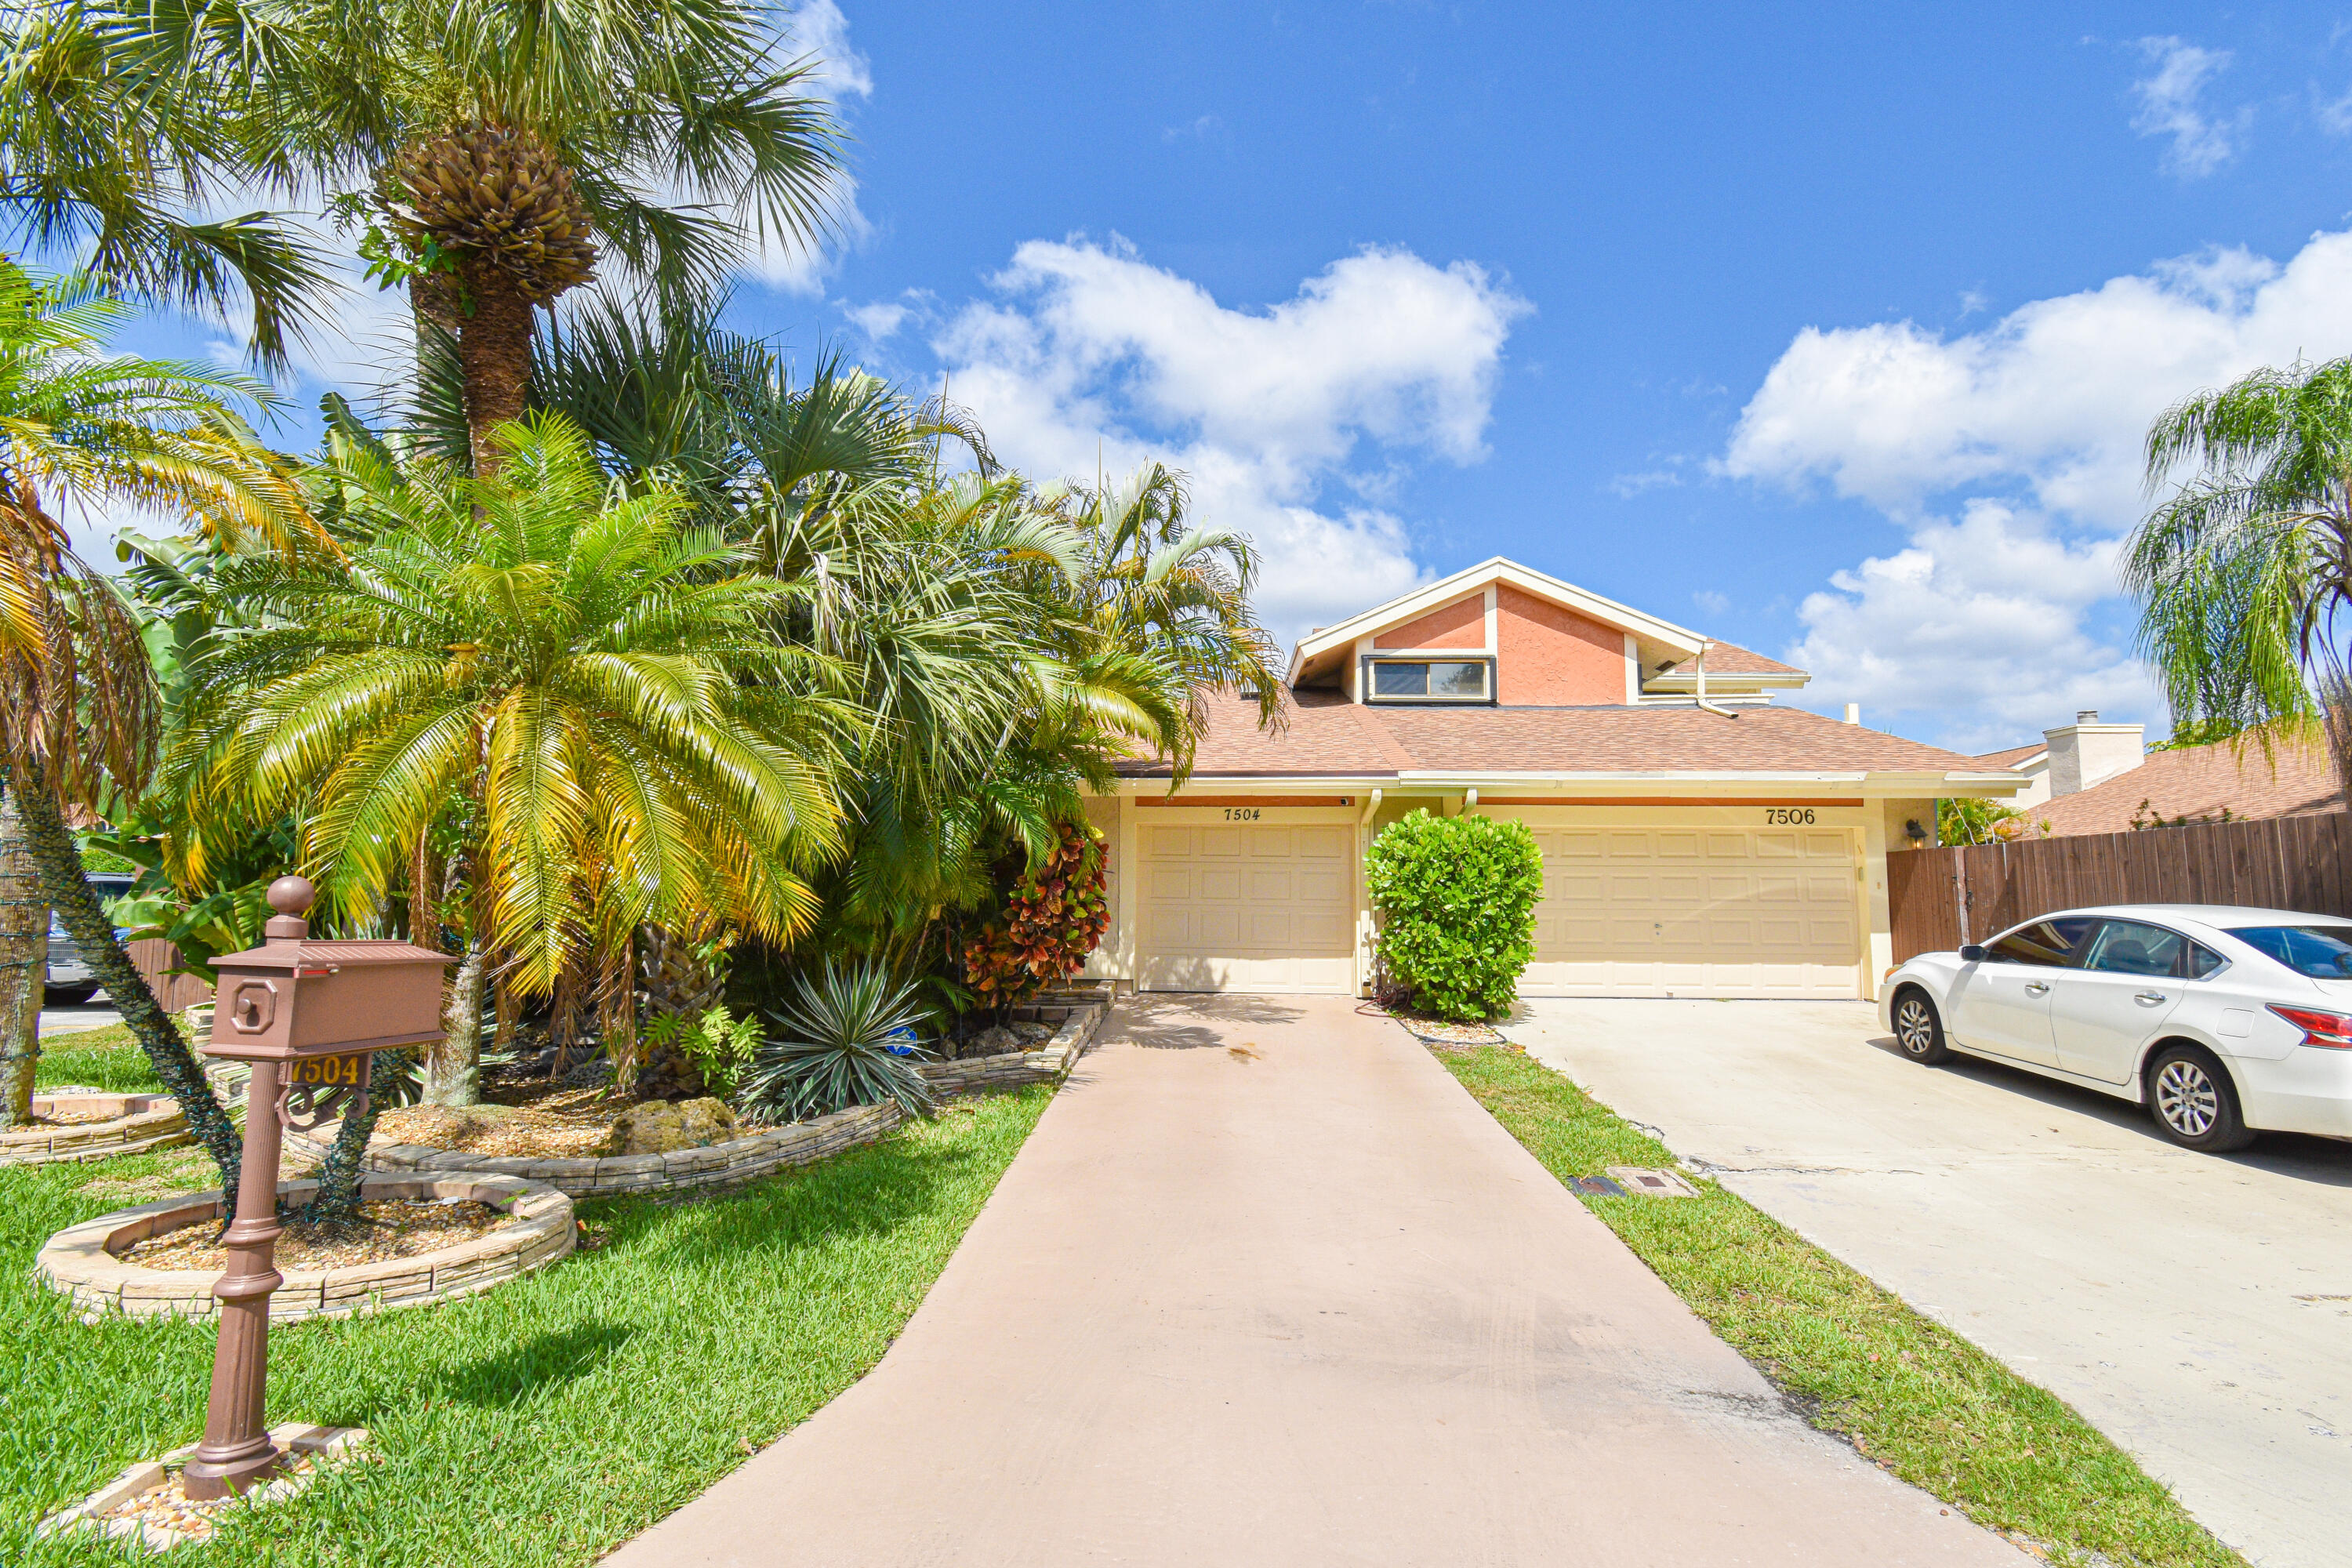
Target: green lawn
{"x":540,"y":1423}
{"x":96,"y":1059}
{"x":1920,"y":1400}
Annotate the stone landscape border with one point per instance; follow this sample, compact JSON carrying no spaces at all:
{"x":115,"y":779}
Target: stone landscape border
{"x":84,"y":1262}
{"x":1078,"y":1015}
{"x":145,"y":1121}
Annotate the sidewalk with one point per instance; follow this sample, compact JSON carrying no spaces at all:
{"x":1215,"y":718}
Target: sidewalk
{"x":1267,"y":1287}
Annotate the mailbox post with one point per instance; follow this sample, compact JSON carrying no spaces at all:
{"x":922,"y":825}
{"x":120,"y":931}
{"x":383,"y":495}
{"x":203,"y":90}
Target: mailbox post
{"x":309,"y":1016}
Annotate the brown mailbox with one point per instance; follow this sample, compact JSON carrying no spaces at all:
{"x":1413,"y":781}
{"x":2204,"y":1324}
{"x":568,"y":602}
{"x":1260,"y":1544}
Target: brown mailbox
{"x":309,"y":1016}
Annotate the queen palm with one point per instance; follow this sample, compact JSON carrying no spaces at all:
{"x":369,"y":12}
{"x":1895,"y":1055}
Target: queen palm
{"x":2246,"y":567}
{"x":562,"y":693}
{"x":78,"y":714}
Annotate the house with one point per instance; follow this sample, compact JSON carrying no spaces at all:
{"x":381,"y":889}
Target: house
{"x":1699,"y":840}
{"x":2200,"y":783}
{"x":2072,"y":758}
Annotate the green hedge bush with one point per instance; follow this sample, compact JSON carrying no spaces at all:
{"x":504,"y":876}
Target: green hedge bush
{"x":1457,"y":896}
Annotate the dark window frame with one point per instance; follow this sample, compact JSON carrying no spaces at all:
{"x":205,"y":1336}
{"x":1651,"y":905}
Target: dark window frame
{"x":1364,"y":681}
{"x":2074,"y":957}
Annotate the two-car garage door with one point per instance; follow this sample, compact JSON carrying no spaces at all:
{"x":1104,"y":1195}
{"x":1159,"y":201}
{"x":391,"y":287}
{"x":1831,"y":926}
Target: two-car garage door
{"x":1265,"y":901}
{"x":1729,"y":911}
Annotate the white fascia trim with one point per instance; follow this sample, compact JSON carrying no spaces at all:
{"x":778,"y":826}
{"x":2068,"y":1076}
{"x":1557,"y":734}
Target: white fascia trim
{"x":1445,"y":590}
{"x":1721,"y":685}
{"x":1894,"y":785}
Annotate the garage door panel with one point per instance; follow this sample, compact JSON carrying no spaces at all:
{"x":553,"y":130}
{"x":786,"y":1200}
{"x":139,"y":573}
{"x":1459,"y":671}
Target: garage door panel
{"x":1253,"y":907}
{"x":1695,"y":912}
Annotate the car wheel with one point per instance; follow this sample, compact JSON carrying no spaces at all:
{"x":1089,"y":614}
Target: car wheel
{"x":1918,"y":1030}
{"x":2194,"y":1102}
{"x":66,"y":995}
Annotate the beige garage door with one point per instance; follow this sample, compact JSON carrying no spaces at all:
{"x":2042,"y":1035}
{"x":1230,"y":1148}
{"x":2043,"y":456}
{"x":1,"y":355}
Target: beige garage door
{"x":1246,"y":907}
{"x":1634,"y":911}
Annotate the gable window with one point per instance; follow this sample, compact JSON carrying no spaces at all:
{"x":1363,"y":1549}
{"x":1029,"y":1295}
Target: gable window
{"x":1429,"y":679}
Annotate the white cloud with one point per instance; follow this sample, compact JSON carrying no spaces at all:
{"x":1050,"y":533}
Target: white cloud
{"x":1089,"y":355}
{"x":878,"y":321}
{"x":1975,"y":627}
{"x":2170,"y":105}
{"x":2043,"y":412}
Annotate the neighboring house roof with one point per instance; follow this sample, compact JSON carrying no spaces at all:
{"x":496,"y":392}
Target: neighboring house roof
{"x":2199,"y":782}
{"x":1331,"y":737}
{"x":1730,"y":658}
{"x":2016,"y":756}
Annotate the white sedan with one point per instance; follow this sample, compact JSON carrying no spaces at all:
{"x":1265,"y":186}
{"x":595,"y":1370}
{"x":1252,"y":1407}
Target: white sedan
{"x":2223,"y":1022}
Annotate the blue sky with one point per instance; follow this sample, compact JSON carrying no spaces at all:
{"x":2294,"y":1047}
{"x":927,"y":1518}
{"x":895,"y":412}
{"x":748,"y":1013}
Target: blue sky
{"x":1829,"y":331}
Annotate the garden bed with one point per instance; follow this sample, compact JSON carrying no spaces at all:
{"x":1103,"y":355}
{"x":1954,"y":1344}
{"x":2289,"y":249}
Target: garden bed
{"x":77,"y":1125}
{"x":99,"y":1263}
{"x":527,"y":1139}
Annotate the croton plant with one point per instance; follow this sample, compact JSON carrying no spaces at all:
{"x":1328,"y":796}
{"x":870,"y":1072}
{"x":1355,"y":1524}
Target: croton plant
{"x":1051,"y":920}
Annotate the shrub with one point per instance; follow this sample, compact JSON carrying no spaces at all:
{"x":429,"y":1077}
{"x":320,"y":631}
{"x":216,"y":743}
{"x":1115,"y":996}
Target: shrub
{"x":839,"y":1043}
{"x":1457,"y":896}
{"x":1052,"y":919}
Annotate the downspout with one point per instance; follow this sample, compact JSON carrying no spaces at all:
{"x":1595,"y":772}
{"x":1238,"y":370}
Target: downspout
{"x":1364,"y":912}
{"x":1703,"y":702}
{"x":1469,"y":801}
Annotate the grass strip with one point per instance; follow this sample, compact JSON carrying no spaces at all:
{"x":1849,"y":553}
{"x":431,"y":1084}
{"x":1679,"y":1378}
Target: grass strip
{"x":539,"y":1425}
{"x":1909,"y":1394}
{"x":108,"y":1058}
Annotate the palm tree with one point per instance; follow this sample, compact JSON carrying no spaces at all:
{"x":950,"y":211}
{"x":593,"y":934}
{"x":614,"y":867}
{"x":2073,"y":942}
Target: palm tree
{"x":563,"y":694}
{"x":499,"y":153}
{"x":2246,"y":566}
{"x":104,"y":145}
{"x":1155,"y":586}
{"x":78,"y":707}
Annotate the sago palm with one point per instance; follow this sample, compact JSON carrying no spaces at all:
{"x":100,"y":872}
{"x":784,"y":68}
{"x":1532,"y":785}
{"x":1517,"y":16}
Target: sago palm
{"x":570,"y":697}
{"x":2246,"y":567}
{"x":78,"y":708}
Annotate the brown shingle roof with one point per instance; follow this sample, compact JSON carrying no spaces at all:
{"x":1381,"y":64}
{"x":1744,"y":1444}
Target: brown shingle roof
{"x":1329,"y":736}
{"x":2198,"y":782}
{"x":2011,"y":757}
{"x":1730,"y":658}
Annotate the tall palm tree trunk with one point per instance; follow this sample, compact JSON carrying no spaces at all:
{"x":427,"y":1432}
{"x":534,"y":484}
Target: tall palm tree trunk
{"x":452,"y":1064}
{"x":23,"y":956}
{"x":85,"y":920}
{"x":494,"y":352}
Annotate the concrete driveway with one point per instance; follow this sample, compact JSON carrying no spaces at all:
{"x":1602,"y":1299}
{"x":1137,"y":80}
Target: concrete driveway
{"x":1266,"y":1286}
{"x":2198,"y":1309}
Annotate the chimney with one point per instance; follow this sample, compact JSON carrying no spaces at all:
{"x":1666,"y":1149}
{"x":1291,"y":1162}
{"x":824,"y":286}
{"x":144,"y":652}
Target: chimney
{"x":1854,"y":712}
{"x":2087,"y":753}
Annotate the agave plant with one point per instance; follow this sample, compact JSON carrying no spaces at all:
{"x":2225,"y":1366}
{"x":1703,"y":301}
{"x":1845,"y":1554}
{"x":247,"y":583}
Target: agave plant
{"x":841,"y":1042}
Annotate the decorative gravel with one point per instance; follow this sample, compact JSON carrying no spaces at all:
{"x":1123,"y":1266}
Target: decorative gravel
{"x":553,"y":1130}
{"x":169,"y":1506}
{"x":1444,"y":1032}
{"x":386,"y":1230}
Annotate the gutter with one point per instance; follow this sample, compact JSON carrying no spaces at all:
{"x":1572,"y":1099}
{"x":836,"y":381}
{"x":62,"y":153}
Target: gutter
{"x":1703,"y":702}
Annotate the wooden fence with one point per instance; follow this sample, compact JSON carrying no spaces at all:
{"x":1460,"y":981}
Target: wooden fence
{"x":156,"y":959}
{"x":1943,"y":898}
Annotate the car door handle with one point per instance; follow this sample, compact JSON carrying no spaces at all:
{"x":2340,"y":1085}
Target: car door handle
{"x":2149,"y":997}
{"x":2036,"y":989}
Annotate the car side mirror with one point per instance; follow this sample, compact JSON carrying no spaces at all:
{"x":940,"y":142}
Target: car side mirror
{"x":1973,"y":953}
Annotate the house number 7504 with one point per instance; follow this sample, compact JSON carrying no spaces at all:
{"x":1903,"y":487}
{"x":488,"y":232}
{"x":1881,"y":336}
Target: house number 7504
{"x":1243,"y":814}
{"x":1789,"y":816}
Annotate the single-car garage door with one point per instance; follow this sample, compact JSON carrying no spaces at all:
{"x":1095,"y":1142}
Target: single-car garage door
{"x":1245,"y":905}
{"x":1696,"y":912}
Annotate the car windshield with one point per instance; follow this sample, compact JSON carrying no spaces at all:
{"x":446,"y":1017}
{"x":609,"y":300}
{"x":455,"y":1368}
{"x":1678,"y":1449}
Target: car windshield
{"x":2324,"y":953}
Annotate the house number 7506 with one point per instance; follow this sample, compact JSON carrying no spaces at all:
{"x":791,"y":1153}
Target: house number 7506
{"x":1789,"y":816}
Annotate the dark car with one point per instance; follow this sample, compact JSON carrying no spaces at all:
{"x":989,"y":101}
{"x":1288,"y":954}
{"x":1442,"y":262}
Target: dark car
{"x":72,"y":979}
